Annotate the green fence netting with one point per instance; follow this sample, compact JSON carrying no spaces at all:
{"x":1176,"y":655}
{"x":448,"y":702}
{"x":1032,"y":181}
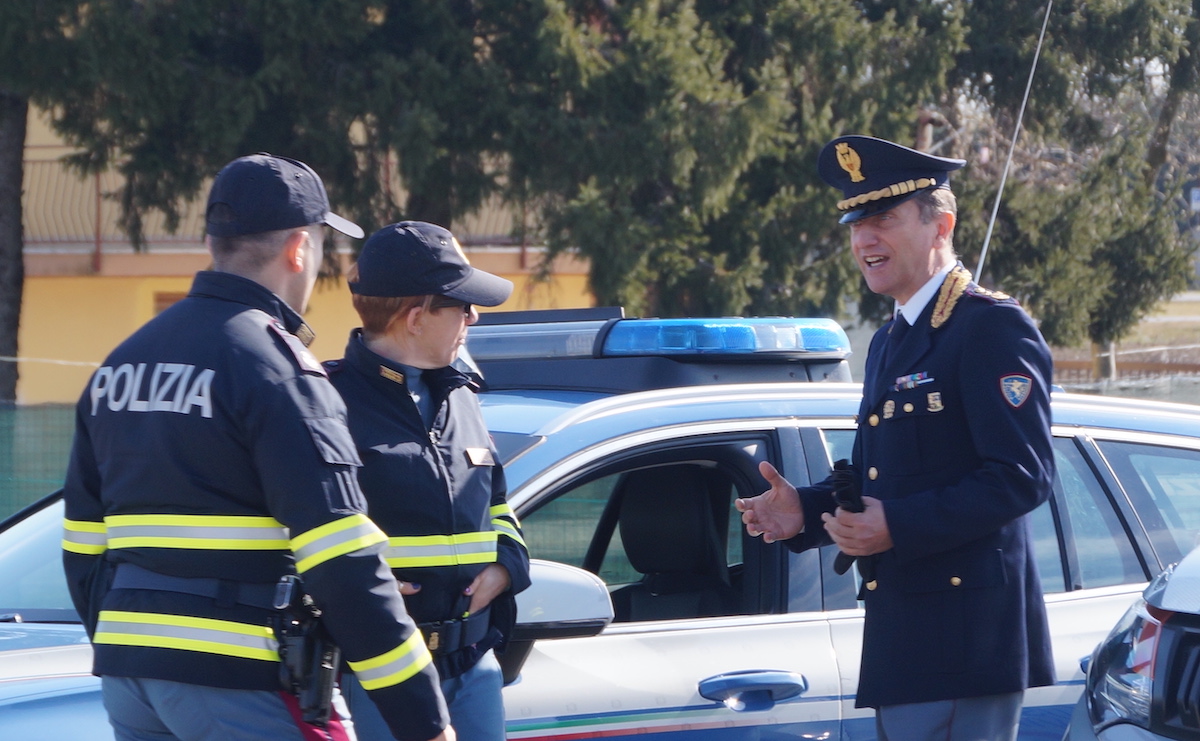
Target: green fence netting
{"x":35,"y":441}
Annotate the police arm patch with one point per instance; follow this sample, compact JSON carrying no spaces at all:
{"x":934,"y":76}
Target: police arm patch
{"x":1016,"y":389}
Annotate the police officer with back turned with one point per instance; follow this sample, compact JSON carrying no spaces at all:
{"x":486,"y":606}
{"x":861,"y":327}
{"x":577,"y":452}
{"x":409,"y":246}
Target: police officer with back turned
{"x":216,"y":541}
{"x":953,"y":450}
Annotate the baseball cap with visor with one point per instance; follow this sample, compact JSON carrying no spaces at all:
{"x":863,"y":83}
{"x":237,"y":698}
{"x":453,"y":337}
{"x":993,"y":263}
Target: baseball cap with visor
{"x":264,"y":193}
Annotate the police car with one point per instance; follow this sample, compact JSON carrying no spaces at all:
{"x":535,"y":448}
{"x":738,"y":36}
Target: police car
{"x":1141,"y":679}
{"x":625,"y":442}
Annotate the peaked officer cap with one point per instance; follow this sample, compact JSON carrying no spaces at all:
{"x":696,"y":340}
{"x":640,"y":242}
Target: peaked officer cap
{"x":875,"y":175}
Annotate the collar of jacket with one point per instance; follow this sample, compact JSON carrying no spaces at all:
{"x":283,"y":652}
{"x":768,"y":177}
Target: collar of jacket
{"x":375,"y":366}
{"x":951,"y":291}
{"x":230,"y":287}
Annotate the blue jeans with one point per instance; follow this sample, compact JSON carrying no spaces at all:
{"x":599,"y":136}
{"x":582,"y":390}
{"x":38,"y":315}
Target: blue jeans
{"x":474,"y":698}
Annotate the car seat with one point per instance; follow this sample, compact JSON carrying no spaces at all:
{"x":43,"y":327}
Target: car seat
{"x":673,"y":522}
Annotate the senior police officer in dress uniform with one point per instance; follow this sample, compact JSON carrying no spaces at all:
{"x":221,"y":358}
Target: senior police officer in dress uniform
{"x":431,"y":474}
{"x":212,"y":472}
{"x":953,"y":450}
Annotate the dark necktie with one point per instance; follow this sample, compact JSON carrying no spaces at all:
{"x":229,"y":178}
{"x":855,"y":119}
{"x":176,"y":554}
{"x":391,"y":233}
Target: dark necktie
{"x":895,"y":337}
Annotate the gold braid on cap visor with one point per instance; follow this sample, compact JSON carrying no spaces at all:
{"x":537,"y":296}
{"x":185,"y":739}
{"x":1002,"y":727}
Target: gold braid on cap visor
{"x":899,"y":189}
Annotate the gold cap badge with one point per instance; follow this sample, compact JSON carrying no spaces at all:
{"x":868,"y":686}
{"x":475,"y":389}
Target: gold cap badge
{"x":850,"y":162}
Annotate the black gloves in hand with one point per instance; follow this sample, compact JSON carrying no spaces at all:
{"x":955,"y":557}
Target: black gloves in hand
{"x":848,"y":497}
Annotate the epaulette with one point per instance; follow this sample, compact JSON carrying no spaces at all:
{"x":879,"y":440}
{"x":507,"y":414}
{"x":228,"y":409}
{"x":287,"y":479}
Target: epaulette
{"x":332,"y":366}
{"x":996,"y":297}
{"x":307,"y":361}
{"x":957,"y":284}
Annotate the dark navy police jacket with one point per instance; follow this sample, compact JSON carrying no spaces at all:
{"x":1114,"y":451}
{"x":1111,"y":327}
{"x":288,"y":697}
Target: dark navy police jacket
{"x":211,"y":445}
{"x":440,"y":493}
{"x":954,"y":439}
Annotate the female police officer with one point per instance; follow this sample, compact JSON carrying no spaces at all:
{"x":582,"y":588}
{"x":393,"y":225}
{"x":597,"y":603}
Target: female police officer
{"x":430,"y":472}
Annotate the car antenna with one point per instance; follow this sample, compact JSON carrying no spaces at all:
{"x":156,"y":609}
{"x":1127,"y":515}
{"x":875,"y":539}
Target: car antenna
{"x":1012,"y":146}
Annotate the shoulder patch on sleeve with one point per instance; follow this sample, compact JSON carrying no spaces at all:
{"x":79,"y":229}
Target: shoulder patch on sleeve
{"x":1016,"y":389}
{"x":308,"y":362}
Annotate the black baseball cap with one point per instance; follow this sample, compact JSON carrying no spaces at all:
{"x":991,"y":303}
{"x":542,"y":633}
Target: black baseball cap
{"x":263,"y":193}
{"x":875,"y":175}
{"x":415,"y":258}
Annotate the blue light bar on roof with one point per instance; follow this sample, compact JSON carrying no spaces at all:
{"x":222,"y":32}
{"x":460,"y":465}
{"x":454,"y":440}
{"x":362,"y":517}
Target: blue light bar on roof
{"x":731,"y":336}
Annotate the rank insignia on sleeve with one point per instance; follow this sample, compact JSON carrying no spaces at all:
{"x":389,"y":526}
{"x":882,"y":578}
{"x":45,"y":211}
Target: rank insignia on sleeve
{"x":1016,"y":389}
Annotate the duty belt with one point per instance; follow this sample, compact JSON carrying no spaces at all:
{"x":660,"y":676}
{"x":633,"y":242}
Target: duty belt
{"x":448,"y":636}
{"x":224,"y":591}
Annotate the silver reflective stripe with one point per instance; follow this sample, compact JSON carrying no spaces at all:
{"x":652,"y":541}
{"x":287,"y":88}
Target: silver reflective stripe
{"x":333,"y":539}
{"x":395,"y":666}
{"x":504,"y":527}
{"x":182,"y":632}
{"x":441,"y":550}
{"x":86,"y":538}
{"x":203,"y":532}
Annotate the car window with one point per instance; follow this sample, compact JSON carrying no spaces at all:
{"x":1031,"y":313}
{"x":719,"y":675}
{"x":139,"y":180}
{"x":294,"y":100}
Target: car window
{"x":1046,"y":549}
{"x":561,"y":529}
{"x":577,"y":513}
{"x":1101,"y":551}
{"x":1163,"y":483}
{"x":660,"y":530}
{"x":32,"y":583}
{"x":839,"y":444}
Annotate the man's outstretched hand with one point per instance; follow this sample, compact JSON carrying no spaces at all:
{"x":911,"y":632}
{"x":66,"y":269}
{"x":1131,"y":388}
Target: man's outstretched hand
{"x":775,"y":514}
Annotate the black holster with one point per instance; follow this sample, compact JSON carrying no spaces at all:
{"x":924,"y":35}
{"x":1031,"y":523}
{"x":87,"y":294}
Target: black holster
{"x":308,"y":657}
{"x":457,"y":645}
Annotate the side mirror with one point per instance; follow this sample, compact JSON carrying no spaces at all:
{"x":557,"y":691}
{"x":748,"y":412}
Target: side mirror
{"x":561,"y":602}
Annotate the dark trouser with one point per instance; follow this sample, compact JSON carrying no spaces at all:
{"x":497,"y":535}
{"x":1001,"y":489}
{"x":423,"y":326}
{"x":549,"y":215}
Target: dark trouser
{"x":988,"y":718}
{"x":159,"y":710}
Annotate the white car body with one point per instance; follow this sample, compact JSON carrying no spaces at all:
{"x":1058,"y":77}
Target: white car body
{"x":785,"y":660}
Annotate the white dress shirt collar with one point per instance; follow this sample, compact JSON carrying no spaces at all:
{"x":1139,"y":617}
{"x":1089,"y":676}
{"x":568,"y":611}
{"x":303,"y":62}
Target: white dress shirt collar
{"x":919,"y":300}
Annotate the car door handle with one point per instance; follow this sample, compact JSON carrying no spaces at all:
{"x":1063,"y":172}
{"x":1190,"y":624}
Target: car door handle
{"x":753,"y":689}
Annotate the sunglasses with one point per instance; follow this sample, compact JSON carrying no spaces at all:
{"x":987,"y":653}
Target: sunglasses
{"x":445,"y":302}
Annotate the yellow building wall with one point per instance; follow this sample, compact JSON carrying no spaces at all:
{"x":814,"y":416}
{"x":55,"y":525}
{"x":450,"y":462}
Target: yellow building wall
{"x":69,"y":323}
{"x":86,"y":289}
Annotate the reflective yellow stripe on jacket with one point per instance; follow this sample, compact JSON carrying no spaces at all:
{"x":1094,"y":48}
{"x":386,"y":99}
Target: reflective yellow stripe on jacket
{"x":206,"y":635}
{"x":395,"y":666}
{"x":204,"y":532}
{"x":84,"y":538}
{"x":504,"y":521}
{"x":411,"y":551}
{"x":334,"y":539}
